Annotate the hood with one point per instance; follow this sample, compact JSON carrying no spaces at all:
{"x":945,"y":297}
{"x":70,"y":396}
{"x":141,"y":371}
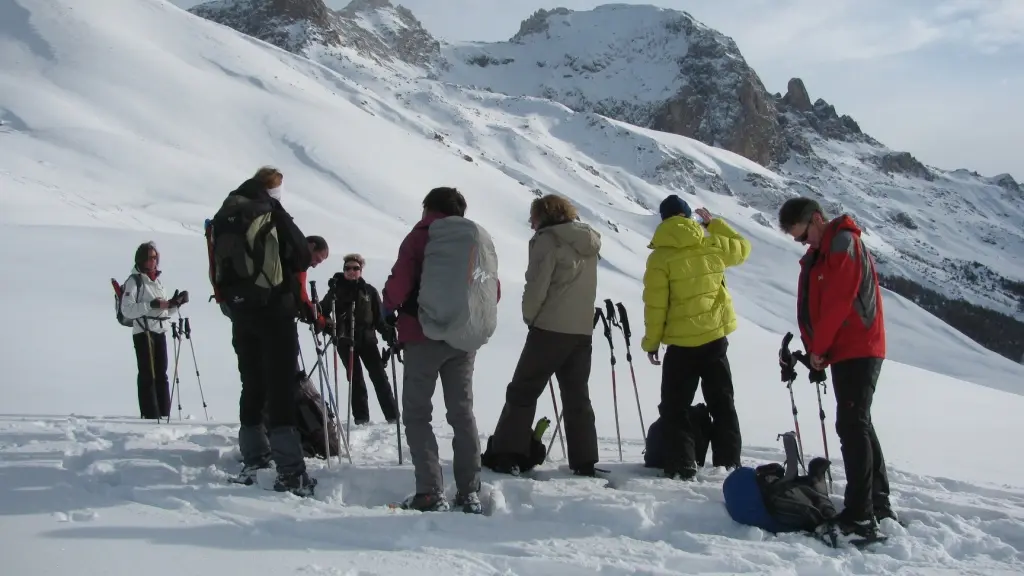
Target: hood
{"x":581,"y":237}
{"x":677,"y":232}
{"x":253,"y":190}
{"x":153,"y":277}
{"x":837,"y":225}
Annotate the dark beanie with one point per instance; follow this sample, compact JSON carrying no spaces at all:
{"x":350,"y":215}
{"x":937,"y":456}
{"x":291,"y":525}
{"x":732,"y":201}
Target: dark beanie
{"x":674,"y":206}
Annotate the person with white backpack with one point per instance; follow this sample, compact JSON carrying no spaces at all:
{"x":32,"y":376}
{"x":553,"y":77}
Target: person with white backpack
{"x":443,"y":293}
{"x":144,"y":306}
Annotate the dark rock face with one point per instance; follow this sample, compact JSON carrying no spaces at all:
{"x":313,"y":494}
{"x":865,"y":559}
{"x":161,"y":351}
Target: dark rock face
{"x":903,"y":163}
{"x":724,"y":102}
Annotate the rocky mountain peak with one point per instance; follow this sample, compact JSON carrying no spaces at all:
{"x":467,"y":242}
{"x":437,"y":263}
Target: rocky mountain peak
{"x":537,"y":23}
{"x":375,"y":29}
{"x":356,"y":6}
{"x":796,"y":96}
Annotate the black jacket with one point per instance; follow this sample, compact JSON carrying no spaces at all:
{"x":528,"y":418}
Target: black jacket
{"x":369,"y":319}
{"x":293,"y":248}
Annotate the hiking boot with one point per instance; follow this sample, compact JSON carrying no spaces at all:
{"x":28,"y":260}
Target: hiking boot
{"x":470,"y":503}
{"x":247,"y":476}
{"x":867,"y":529}
{"x":881,"y":513}
{"x":585,"y":470}
{"x":685,"y":472}
{"x":430,"y":502}
{"x":298,"y":483}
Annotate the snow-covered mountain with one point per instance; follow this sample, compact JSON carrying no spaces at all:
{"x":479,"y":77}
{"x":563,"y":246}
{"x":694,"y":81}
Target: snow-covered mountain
{"x":951,"y":240}
{"x":129,"y":120}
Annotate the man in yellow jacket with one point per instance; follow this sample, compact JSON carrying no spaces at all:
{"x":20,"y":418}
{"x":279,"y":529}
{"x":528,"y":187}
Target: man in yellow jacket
{"x":687,"y":308}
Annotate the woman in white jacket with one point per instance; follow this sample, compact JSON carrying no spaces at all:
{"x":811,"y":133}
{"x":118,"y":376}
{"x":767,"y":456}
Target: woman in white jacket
{"x":145,"y":303}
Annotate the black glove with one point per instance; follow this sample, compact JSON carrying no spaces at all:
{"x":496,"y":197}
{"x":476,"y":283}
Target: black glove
{"x":817,"y":376}
{"x":179,"y":298}
{"x":391,"y":319}
{"x":788,"y":364}
{"x":390,"y":335}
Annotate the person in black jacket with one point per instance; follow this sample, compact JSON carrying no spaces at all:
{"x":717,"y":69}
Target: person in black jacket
{"x":266,"y":340}
{"x":350,"y":288}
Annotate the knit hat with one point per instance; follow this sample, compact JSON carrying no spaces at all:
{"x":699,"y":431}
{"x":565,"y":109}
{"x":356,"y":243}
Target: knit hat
{"x":674,"y":206}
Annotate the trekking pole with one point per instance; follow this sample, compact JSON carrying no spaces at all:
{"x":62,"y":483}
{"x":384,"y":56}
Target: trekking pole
{"x":319,"y":366}
{"x":395,"y":355}
{"x":351,"y":359}
{"x":818,"y":378}
{"x":325,"y":381}
{"x":176,"y":380}
{"x":152,"y":376}
{"x":558,"y":422}
{"x":551,"y":444}
{"x":615,"y":393}
{"x":188,"y":336}
{"x":626,"y":334}
{"x":786,"y":359}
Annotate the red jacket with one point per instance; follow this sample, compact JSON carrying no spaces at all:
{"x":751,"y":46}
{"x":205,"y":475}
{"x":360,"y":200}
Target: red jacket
{"x":403,"y":281}
{"x":321,"y":322}
{"x":839,"y":302}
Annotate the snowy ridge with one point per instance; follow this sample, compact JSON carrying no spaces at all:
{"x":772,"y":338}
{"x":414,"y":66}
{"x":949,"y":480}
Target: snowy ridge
{"x":107,"y":142}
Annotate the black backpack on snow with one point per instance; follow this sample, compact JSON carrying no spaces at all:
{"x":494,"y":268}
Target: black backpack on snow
{"x":700,"y":418}
{"x":244,"y":253}
{"x":310,"y":423}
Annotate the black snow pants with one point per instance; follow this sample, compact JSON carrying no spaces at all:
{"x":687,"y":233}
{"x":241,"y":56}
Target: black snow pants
{"x":682,"y":370}
{"x":153,"y":385}
{"x":366,"y":354}
{"x":867,"y":482}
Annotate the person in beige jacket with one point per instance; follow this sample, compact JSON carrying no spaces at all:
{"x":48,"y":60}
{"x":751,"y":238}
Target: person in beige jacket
{"x":558,"y":308}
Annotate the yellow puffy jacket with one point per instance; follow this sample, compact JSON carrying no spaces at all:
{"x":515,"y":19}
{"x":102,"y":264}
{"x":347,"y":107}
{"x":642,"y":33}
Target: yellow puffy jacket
{"x":685,"y":299}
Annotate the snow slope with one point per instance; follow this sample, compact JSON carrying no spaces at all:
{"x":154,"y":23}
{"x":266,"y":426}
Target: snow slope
{"x":129,"y":120}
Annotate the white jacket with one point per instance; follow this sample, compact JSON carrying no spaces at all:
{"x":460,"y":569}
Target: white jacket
{"x":135,"y":304}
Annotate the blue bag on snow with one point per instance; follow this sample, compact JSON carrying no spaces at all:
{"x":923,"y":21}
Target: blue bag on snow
{"x":744,"y":502}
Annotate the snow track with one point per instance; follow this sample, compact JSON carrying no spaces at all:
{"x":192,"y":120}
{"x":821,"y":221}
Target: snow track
{"x":149,"y":491}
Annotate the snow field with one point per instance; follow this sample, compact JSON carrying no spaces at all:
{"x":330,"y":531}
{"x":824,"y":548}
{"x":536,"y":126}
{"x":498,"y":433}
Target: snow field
{"x":94,"y":485}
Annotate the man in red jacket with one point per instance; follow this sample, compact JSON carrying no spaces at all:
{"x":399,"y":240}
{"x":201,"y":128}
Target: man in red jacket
{"x":839,"y":310}
{"x":425,"y":360}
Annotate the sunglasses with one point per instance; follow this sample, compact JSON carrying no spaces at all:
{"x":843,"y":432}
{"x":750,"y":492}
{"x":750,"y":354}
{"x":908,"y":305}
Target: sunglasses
{"x":354,"y":268}
{"x":803,"y":237}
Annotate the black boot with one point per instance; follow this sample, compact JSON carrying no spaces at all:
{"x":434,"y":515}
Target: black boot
{"x":298,"y":483}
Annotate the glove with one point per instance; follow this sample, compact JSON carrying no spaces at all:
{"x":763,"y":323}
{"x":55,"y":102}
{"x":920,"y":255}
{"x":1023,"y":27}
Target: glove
{"x":391,"y":318}
{"x":817,"y":376}
{"x":390,"y":335}
{"x":179,"y":298}
{"x":787,"y":364}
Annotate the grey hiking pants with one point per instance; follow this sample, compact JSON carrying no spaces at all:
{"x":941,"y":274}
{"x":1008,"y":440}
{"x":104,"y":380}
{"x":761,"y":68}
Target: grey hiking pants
{"x":424,"y":362}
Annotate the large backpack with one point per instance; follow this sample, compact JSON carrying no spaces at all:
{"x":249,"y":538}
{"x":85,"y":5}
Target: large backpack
{"x":244,"y":254}
{"x":776,"y":498}
{"x":310,"y":423}
{"x":700,"y":421}
{"x":119,"y":293}
{"x":458,"y":291}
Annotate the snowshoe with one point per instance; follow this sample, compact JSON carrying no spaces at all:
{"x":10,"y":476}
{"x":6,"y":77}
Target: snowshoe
{"x":470,"y":503}
{"x":587,"y":470}
{"x":300,"y":484}
{"x":247,"y":476}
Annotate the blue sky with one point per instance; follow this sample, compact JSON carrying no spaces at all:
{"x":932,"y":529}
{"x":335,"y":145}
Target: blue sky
{"x":942,"y":79}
